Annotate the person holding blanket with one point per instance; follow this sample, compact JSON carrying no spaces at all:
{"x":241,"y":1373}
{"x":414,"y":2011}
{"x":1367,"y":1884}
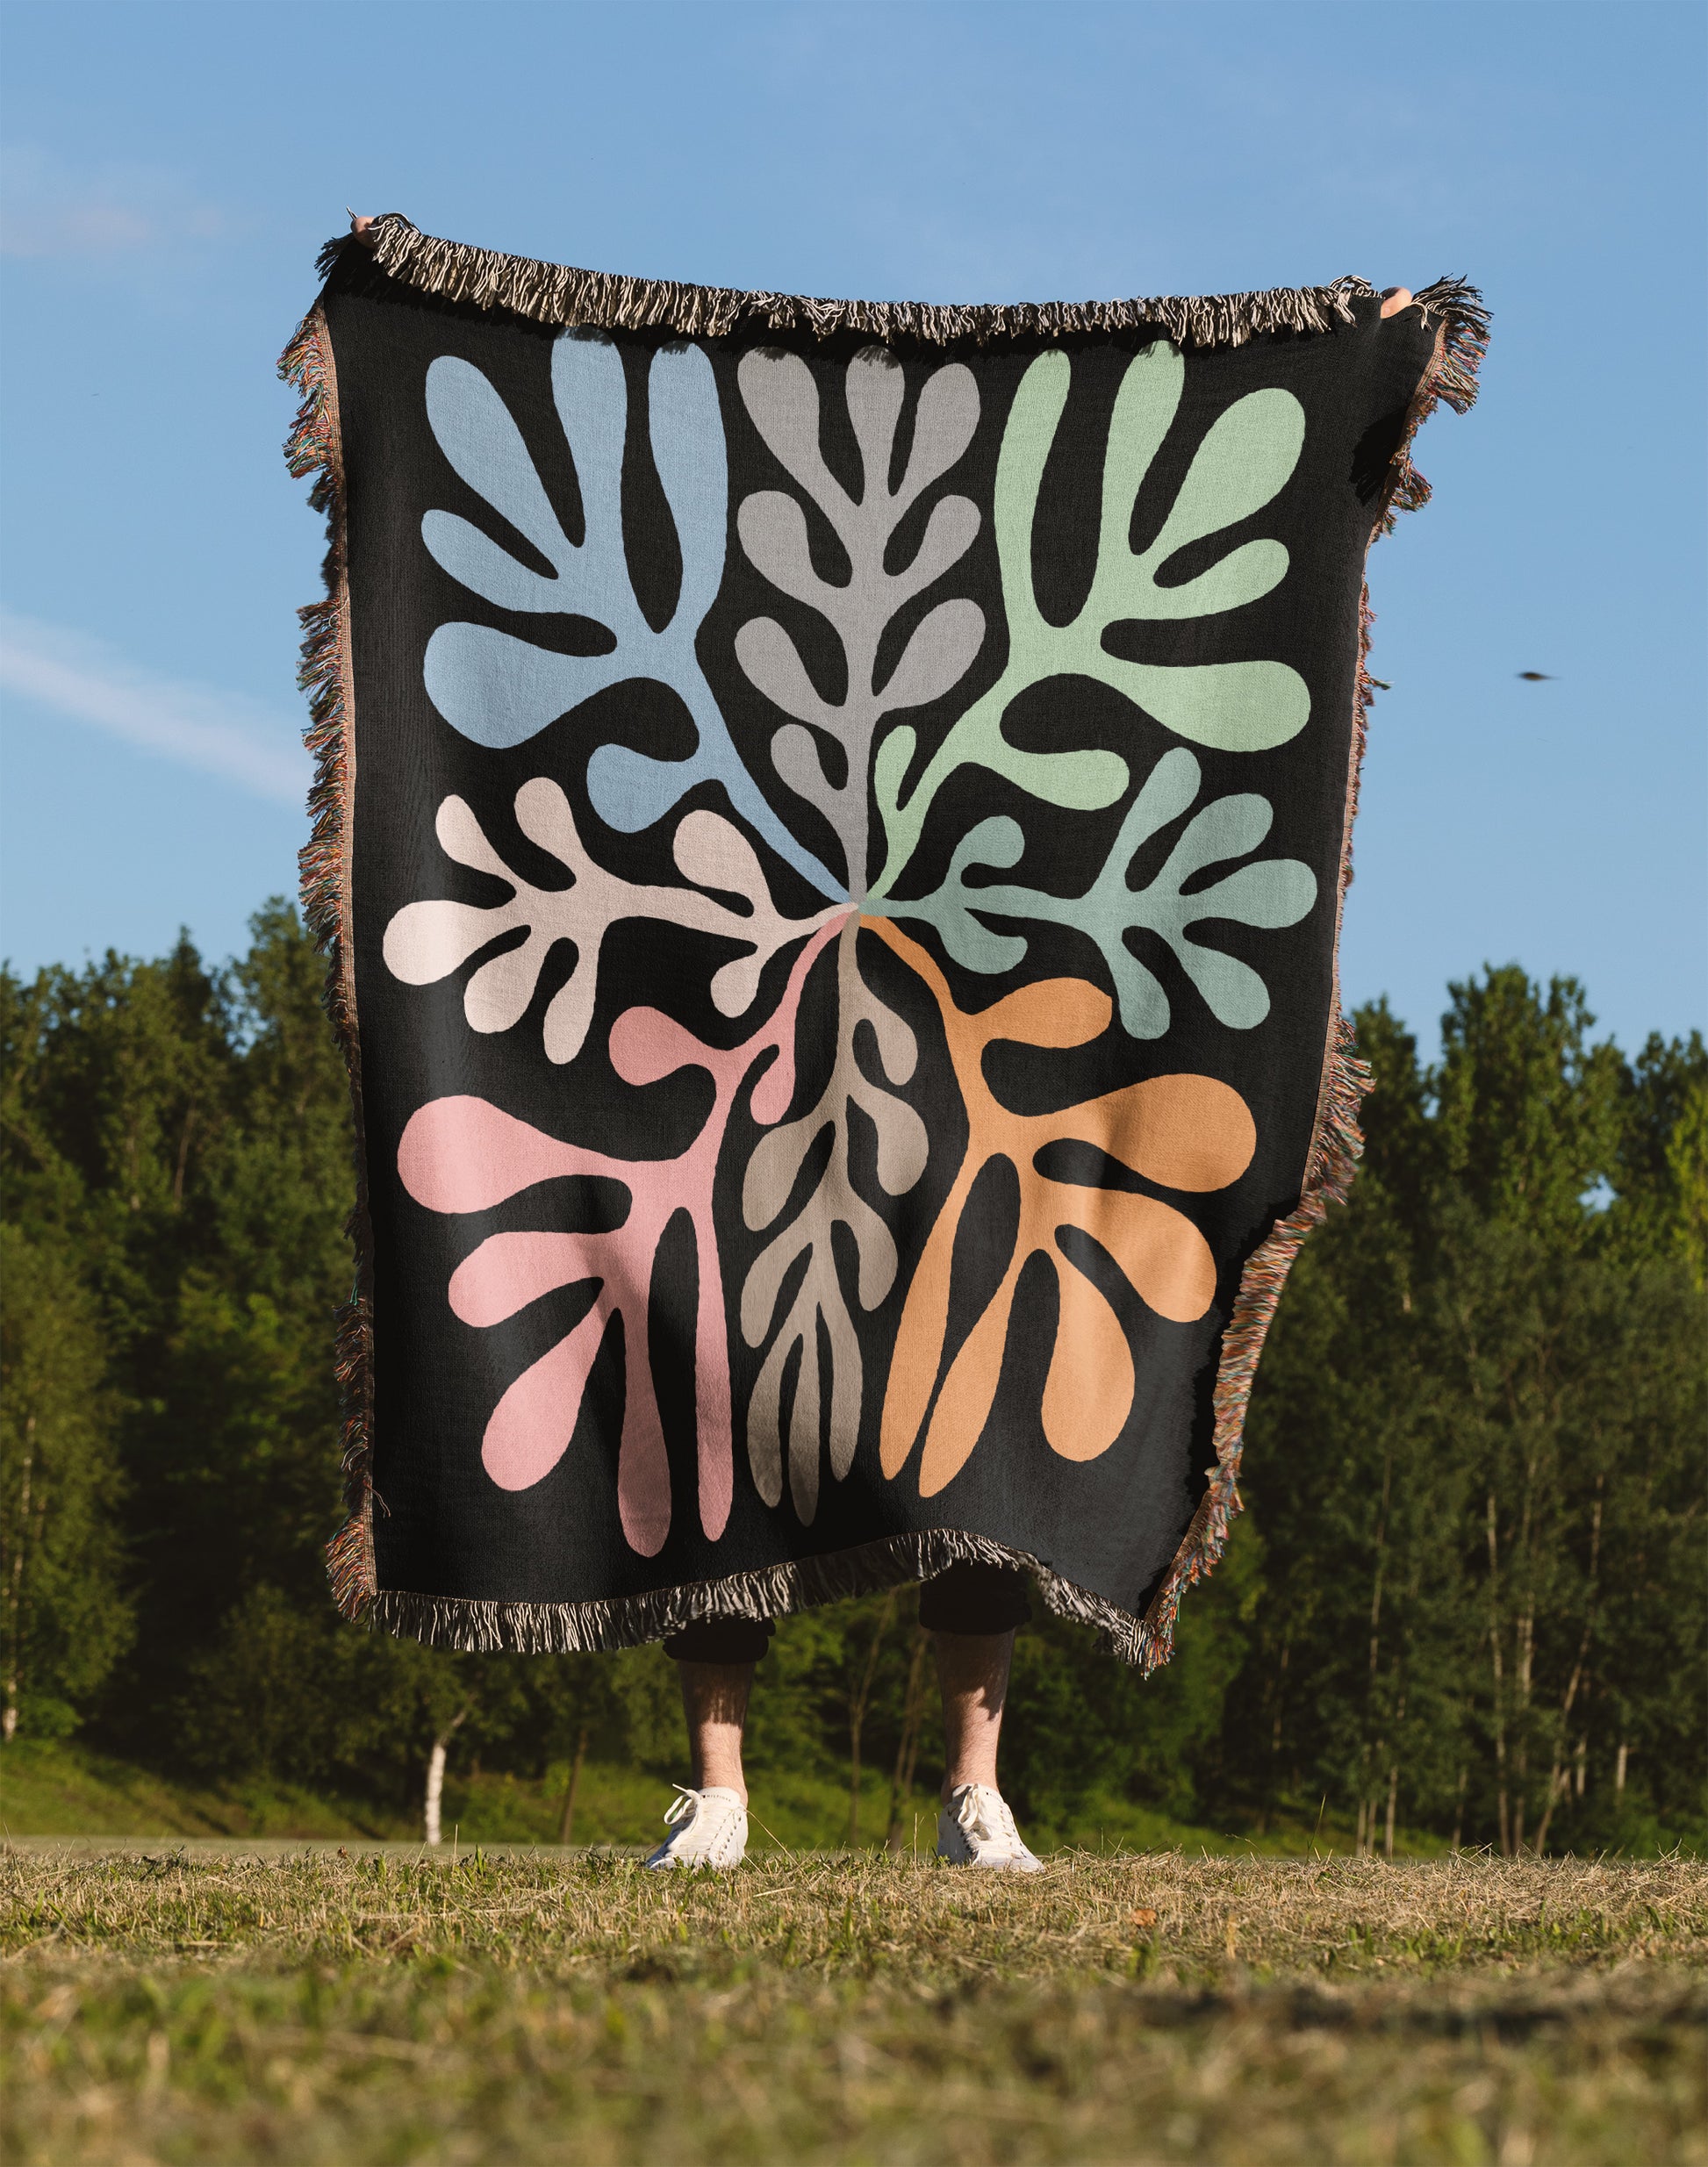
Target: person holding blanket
{"x":894,"y":744}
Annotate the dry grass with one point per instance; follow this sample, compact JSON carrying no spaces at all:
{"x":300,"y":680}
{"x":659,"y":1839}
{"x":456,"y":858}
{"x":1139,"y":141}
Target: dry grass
{"x":1136,"y":2009}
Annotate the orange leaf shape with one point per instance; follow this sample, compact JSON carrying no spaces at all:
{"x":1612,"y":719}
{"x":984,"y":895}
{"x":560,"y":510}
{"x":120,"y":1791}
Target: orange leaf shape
{"x":1190,"y":1132}
{"x":1185,"y":1132}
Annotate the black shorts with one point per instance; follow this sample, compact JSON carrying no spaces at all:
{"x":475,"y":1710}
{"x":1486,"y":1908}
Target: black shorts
{"x":966,"y":1598}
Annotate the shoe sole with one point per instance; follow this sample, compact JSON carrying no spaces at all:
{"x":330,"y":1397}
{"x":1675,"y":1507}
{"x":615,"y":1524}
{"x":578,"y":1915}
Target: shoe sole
{"x":994,"y":1866}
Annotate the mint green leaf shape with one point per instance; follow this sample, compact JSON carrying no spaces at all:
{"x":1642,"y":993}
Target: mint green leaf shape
{"x":1245,"y":458}
{"x":1268,"y":893}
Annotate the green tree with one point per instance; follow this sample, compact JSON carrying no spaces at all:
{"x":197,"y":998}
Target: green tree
{"x":1659,"y":1209}
{"x":1475,"y":1457}
{"x":1476,"y":1440}
{"x":66,"y":1616}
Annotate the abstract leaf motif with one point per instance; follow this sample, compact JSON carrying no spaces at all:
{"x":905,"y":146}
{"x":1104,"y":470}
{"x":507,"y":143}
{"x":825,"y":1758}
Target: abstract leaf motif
{"x":463,"y":1154}
{"x":1272,"y":891}
{"x":1245,"y":459}
{"x":1188,"y":1131}
{"x":500,"y":690}
{"x":819,"y":1299}
{"x":782,"y":396}
{"x":426,"y":942}
{"x":1183,"y":1132}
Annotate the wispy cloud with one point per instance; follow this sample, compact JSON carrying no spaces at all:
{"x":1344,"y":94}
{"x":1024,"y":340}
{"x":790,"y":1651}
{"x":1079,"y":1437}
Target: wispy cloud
{"x":49,"y":209}
{"x":222,"y":733}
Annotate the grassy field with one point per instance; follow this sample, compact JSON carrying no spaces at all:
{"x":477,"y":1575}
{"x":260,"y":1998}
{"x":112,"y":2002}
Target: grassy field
{"x":314,"y":2008}
{"x":54,"y":1788}
{"x":48,"y":1788}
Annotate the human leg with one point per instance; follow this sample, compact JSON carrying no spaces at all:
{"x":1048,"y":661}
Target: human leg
{"x":972,"y":1612}
{"x":973,"y":1670}
{"x":715,"y":1705}
{"x":715,"y":1663}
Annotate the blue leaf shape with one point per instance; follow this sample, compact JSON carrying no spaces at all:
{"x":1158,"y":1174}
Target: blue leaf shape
{"x":501,"y":691}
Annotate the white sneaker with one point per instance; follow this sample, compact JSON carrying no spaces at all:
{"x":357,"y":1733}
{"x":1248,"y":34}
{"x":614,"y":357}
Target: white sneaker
{"x":708,"y":1830}
{"x":976,"y":1828}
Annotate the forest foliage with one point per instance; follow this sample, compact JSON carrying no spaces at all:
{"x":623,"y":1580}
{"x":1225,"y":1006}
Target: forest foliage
{"x":1466,"y":1598}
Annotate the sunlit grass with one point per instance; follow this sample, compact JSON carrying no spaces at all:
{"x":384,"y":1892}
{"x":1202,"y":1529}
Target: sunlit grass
{"x":817,"y":2009}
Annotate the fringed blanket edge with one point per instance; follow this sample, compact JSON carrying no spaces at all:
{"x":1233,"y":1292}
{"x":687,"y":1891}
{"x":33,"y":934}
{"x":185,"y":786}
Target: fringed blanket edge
{"x":314,"y":448}
{"x":771,"y":1591}
{"x":560,"y":294}
{"x":556,"y":293}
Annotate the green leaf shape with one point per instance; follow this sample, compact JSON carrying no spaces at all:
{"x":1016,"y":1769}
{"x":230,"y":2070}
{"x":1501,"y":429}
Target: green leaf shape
{"x":1245,"y":459}
{"x":1268,"y":893}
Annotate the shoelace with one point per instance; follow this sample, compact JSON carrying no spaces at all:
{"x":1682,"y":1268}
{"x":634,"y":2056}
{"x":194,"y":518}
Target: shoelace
{"x":683,"y":1807}
{"x":971,"y":1808}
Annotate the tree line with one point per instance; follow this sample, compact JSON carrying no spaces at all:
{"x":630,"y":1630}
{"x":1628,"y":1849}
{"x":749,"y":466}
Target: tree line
{"x":1466,"y":1598}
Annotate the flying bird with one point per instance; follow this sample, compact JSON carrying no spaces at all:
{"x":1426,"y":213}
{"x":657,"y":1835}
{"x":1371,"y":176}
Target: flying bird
{"x":1536,"y":677}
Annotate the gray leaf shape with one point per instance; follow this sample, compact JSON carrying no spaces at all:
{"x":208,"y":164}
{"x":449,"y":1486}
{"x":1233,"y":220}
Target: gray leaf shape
{"x":820,"y":1302}
{"x":782,"y":396}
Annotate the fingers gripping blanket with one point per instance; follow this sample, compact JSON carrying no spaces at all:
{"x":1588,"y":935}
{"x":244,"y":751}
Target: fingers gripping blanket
{"x":829,"y":838}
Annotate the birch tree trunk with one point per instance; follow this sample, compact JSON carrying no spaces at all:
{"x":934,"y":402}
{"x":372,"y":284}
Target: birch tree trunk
{"x":435,"y":1777}
{"x":1559,"y":1779}
{"x":907,"y":1751}
{"x":566,"y":1822}
{"x":856,"y":1716}
{"x":906,"y":1748}
{"x":436,"y":1791}
{"x":1498,"y":1697}
{"x":15,"y":1588}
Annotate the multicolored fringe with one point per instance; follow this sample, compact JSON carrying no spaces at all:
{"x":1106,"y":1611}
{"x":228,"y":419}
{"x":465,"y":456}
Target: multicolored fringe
{"x":556,"y":293}
{"x":552,"y":293}
{"x":1451,"y":379}
{"x":313,"y":448}
{"x":575,"y":1628}
{"x":1337,"y":1141}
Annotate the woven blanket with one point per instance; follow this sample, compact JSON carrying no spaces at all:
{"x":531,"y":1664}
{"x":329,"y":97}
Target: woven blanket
{"x":830,"y":835}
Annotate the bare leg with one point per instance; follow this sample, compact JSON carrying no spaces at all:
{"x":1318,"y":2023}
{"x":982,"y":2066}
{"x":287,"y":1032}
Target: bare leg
{"x":972,"y":1669}
{"x":714,"y":1702}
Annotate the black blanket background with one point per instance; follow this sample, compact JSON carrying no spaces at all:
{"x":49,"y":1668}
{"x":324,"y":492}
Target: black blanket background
{"x":1107,"y":1529}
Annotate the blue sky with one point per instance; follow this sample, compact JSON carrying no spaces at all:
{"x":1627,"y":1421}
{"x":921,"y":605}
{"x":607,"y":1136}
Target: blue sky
{"x":169,"y":171}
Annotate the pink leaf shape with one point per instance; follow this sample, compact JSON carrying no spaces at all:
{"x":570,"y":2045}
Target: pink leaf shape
{"x":464,"y":1155}
{"x":508,"y":1271}
{"x":648,"y":1045}
{"x":531,"y":1426}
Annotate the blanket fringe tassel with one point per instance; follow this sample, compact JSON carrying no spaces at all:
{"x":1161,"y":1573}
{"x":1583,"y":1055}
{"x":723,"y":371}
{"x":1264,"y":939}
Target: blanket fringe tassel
{"x":552,"y":293}
{"x":773,"y":1591}
{"x":312,"y":449}
{"x":557,"y":293}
